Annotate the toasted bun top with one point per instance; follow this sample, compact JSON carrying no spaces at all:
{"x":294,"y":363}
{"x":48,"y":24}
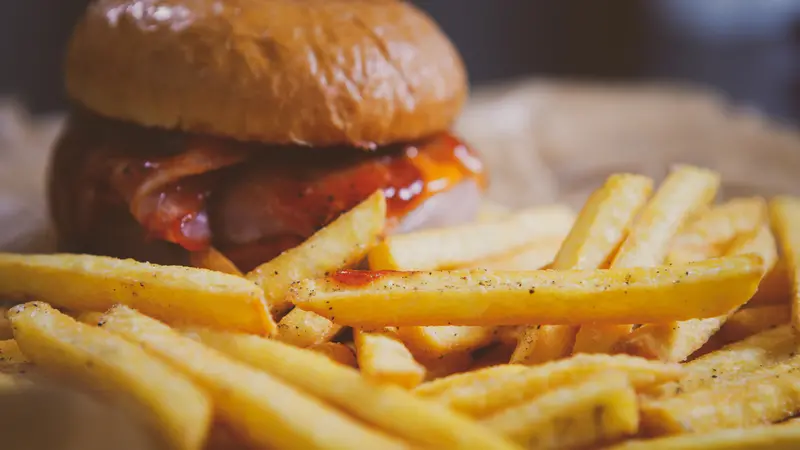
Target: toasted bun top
{"x":315,"y":72}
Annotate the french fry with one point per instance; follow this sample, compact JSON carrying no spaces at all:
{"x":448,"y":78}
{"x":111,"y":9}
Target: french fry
{"x":384,"y":359}
{"x":775,"y":288}
{"x":749,"y":321}
{"x":639,"y":295}
{"x":710,"y":235}
{"x":447,"y":248}
{"x":304,"y":328}
{"x":686,"y":190}
{"x":435,"y":342}
{"x":171,"y":293}
{"x":343,"y":243}
{"x":385,"y":406}
{"x":530,"y":257}
{"x":89,"y":317}
{"x":445,"y":365}
{"x":760,"y":350}
{"x":493,"y":355}
{"x":487,"y":391}
{"x":338,"y":352}
{"x":598,"y":231}
{"x":212,"y":259}
{"x":257,"y":406}
{"x":12,"y":361}
{"x":767,"y":395}
{"x":97,"y":359}
{"x":599,"y":409}
{"x":785,"y":217}
{"x":675,"y":341}
{"x":775,"y":437}
{"x":5,"y":325}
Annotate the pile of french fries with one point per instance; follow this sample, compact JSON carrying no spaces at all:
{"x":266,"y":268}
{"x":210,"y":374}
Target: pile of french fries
{"x":651,"y":318}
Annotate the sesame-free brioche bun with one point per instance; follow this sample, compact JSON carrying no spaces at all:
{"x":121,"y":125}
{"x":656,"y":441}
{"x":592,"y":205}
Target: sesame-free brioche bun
{"x":311,"y":72}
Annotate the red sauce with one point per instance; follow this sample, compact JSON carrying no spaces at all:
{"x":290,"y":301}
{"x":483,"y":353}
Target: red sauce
{"x":359,"y":278}
{"x":249,"y":201}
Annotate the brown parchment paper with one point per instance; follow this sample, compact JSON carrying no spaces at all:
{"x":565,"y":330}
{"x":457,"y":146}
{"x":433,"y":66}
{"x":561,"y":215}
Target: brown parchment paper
{"x":543,"y":142}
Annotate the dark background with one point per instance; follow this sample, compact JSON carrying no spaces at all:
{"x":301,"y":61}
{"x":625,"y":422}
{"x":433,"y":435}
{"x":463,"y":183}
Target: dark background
{"x":750,"y":49}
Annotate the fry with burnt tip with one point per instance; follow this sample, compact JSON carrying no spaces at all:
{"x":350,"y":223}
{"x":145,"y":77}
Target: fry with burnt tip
{"x":385,"y":406}
{"x":676,"y":341}
{"x":686,"y":190}
{"x":486,"y":391}
{"x":775,"y":288}
{"x":337,"y":352}
{"x":305,"y":328}
{"x":446,"y":248}
{"x":173,"y":294}
{"x":258,"y":407}
{"x":766,"y":395}
{"x":478,"y":297}
{"x":749,"y":321}
{"x":99,"y":360}
{"x":341,"y":244}
{"x":599,"y":229}
{"x":785,"y":216}
{"x":598,"y":409}
{"x":533,"y":256}
{"x":435,"y":342}
{"x":784,"y":436}
{"x":383,"y":358}
{"x":212,"y":259}
{"x":760,"y":350}
{"x":710,"y":234}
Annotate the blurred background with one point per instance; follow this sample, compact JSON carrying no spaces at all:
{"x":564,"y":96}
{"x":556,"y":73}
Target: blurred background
{"x":748,"y":49}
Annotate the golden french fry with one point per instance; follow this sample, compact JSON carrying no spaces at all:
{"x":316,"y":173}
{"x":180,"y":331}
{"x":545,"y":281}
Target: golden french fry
{"x":435,"y":342}
{"x":212,"y":259}
{"x":760,"y":350}
{"x":12,"y":361}
{"x":174,"y":294}
{"x":686,"y":190}
{"x":749,"y":321}
{"x":599,"y":229}
{"x":767,"y":395}
{"x":486,"y":391}
{"x":676,"y":341}
{"x":338,"y":352}
{"x":785,"y":217}
{"x":445,"y":365}
{"x":5,"y":325}
{"x":343,"y":243}
{"x":305,"y":328}
{"x":598,"y":409}
{"x":384,"y":406}
{"x":255,"y":405}
{"x":446,"y":248}
{"x":642,"y":295}
{"x":384,"y":359}
{"x":785,"y":436}
{"x":97,"y":359}
{"x":710,"y":235}
{"x":533,"y":256}
{"x":775,"y":288}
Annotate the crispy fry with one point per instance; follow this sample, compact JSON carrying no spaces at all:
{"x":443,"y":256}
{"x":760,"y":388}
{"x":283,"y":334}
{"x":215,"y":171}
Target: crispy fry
{"x":533,"y":256}
{"x":338,"y":352}
{"x":643,"y":295}
{"x":341,"y":244}
{"x":775,"y":288}
{"x":435,"y":342}
{"x":785,"y":216}
{"x":599,"y":229}
{"x":760,"y":350}
{"x":596,"y":410}
{"x":255,"y":405}
{"x":774,"y":437}
{"x":399,"y":412}
{"x":747,"y":322}
{"x":97,"y":359}
{"x":171,"y":293}
{"x":710,"y":235}
{"x":685,"y":190}
{"x":675,"y":341}
{"x":384,"y":359}
{"x":486,"y":391}
{"x":767,"y":395}
{"x":305,"y":328}
{"x":212,"y":259}
{"x":447,"y":248}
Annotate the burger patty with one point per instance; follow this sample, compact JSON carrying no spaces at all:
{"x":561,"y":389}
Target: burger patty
{"x":250,"y":202}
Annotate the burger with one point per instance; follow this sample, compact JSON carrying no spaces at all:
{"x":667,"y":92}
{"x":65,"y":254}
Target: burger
{"x":247,"y":125}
